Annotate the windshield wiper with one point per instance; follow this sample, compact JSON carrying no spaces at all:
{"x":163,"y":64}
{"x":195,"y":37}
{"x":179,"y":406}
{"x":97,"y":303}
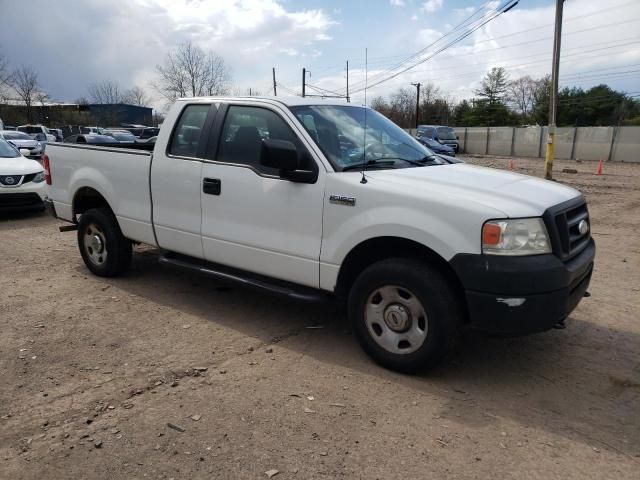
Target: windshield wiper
{"x":370,"y":163}
{"x":390,"y":161}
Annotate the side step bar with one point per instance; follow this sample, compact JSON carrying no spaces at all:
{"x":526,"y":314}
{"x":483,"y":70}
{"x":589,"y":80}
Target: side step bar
{"x":245,"y":278}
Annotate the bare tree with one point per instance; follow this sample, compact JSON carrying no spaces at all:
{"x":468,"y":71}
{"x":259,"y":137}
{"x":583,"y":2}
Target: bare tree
{"x":25,"y":83}
{"x":190,"y":71}
{"x":5,"y":78}
{"x":136,"y":96}
{"x":521,"y":93}
{"x":107,"y":91}
{"x":402,"y":105}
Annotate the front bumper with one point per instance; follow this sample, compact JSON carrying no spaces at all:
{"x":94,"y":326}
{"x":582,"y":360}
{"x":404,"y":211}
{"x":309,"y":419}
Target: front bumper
{"x":27,"y":196}
{"x":521,"y":295}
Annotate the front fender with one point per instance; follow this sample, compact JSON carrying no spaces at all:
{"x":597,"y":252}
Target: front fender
{"x":437,"y":232}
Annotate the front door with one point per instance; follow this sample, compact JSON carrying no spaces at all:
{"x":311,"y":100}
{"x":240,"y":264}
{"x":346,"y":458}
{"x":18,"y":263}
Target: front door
{"x":252,"y":219}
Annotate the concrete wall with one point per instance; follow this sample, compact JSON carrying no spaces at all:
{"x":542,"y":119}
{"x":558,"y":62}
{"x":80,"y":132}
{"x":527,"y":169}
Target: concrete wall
{"x":619,"y":144}
{"x":500,"y":139}
{"x":527,"y":142}
{"x":625,"y":146}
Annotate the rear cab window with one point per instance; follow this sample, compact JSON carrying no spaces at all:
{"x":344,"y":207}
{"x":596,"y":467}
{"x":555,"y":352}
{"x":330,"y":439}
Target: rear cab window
{"x":188,"y":133}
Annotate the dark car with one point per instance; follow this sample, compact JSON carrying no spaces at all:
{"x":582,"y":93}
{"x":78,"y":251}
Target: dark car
{"x":91,"y":139}
{"x":149,"y":132}
{"x":142,"y":132}
{"x":437,"y":147}
{"x":57,"y":132}
{"x":443,"y":135}
{"x":449,"y":159}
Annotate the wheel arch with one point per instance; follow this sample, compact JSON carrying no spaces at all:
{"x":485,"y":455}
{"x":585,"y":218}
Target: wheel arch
{"x":86,"y":198}
{"x":375,"y":249}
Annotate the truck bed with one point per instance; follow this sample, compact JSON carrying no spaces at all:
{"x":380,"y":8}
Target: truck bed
{"x":124,"y":184}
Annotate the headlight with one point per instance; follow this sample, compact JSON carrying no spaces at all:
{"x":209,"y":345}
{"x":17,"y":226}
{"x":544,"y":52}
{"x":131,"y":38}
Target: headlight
{"x":518,"y":236}
{"x":38,"y":178}
{"x":39,"y":145}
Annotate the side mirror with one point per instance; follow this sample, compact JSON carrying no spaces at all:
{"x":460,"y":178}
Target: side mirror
{"x":457,"y":137}
{"x":280,"y":154}
{"x":25,"y":152}
{"x":284,"y":156}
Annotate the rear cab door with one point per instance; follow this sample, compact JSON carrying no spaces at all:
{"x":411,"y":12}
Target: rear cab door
{"x":176,"y":176}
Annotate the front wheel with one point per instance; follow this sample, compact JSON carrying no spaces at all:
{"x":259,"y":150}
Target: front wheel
{"x":105,"y":251}
{"x":405,"y":314}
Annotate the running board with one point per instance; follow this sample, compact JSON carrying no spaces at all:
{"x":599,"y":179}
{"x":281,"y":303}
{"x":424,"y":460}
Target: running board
{"x":290,"y":290}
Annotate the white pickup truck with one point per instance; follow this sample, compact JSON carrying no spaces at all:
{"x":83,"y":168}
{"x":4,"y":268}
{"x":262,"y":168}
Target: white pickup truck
{"x":309,"y":198}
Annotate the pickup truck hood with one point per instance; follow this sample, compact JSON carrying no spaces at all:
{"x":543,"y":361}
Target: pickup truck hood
{"x":513,"y":194}
{"x":19,"y":166}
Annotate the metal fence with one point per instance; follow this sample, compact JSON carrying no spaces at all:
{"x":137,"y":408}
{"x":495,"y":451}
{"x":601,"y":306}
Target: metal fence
{"x":617,"y":144}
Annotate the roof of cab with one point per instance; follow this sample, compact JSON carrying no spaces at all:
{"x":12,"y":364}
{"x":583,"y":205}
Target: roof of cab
{"x":289,"y":101}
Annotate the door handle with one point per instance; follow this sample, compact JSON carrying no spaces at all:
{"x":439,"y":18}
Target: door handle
{"x":211,"y":186}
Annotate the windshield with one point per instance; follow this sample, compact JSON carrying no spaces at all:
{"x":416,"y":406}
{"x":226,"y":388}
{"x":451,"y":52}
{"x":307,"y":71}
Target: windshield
{"x":340,"y":133}
{"x":446,"y":133}
{"x":7,"y":150}
{"x":30,"y":129}
{"x":16,"y":136}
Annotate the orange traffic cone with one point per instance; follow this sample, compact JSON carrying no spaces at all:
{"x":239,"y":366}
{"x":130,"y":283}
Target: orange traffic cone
{"x":599,"y":170}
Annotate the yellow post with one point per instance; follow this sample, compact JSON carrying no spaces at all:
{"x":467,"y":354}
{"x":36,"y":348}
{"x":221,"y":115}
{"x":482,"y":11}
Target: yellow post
{"x":553,"y":94}
{"x":548,"y":161}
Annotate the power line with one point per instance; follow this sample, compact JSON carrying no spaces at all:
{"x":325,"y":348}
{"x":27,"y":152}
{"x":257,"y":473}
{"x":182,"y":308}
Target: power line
{"x":495,"y":13}
{"x":490,"y":39}
{"x":546,"y":55}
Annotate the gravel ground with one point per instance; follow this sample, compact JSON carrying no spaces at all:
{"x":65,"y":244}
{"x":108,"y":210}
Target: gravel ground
{"x":166,"y":374}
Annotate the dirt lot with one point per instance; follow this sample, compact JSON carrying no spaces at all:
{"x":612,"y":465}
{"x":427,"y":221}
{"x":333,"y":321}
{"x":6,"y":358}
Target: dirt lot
{"x":94,"y":370}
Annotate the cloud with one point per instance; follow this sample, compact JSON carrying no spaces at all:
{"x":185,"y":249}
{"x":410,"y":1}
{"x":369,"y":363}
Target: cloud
{"x":99,"y":41}
{"x":596,"y":48}
{"x":82,"y":43}
{"x":432,"y":5}
{"x":397,"y":3}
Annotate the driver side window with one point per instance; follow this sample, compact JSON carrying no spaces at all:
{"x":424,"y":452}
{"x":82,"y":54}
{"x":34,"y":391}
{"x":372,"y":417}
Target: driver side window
{"x":243,"y":132}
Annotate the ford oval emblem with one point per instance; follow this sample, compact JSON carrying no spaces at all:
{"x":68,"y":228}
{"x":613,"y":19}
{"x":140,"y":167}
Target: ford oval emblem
{"x":583,"y":227}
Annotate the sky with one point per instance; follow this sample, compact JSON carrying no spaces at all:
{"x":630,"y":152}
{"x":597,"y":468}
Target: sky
{"x":76,"y":43}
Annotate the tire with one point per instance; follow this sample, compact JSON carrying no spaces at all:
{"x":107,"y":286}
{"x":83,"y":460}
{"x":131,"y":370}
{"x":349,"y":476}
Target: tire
{"x":405,"y":314}
{"x":105,"y":251}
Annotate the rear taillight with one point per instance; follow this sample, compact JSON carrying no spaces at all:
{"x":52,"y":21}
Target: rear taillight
{"x":47,"y":171}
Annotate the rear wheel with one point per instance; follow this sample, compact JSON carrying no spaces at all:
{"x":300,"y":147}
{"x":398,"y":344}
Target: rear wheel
{"x":105,"y":251}
{"x":405,"y":314}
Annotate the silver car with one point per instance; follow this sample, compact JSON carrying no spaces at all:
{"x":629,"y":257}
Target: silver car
{"x":21,"y":140}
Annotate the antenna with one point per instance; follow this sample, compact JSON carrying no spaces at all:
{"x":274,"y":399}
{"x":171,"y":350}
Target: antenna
{"x":364,"y":140}
{"x":366,"y":75}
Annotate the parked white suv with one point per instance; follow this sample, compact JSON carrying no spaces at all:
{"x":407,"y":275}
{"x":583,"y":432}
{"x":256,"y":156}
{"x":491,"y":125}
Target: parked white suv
{"x":22,"y":181}
{"x":310,"y":198}
{"x":38,"y":132}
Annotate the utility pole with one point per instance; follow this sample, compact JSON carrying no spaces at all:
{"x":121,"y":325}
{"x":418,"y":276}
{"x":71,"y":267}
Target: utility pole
{"x":348,"y":99}
{"x":553,"y":100}
{"x":417,"y":85}
{"x":275,"y":93}
{"x":304,"y":79}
